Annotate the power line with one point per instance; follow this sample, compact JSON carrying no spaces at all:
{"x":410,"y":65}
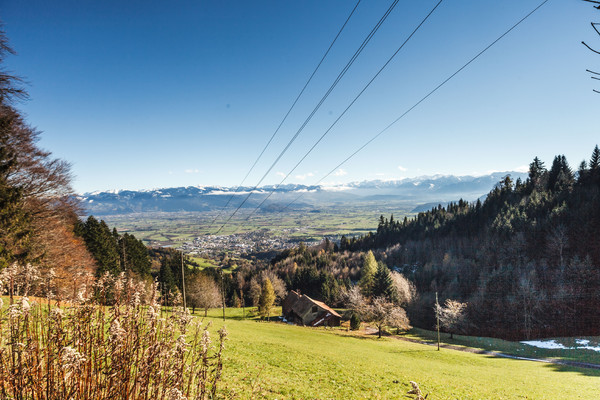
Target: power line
{"x":422,"y":99}
{"x":350,"y":105}
{"x":337,"y":80}
{"x":286,"y":115}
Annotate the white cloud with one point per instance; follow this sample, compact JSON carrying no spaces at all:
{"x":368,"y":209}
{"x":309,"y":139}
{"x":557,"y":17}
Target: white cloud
{"x":303,"y":177}
{"x":401,"y":168}
{"x":522,"y":168}
{"x":340,"y":172}
{"x":192,"y":171}
{"x":279,"y":173}
{"x":380,"y":174}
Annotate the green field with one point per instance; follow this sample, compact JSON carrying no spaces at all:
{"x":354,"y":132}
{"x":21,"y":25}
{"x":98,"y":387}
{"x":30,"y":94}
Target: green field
{"x":516,"y":348}
{"x":174,"y":228}
{"x":277,"y":361}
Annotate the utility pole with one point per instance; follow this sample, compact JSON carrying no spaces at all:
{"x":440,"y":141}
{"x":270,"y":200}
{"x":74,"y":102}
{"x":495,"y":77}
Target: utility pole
{"x":437,"y":316}
{"x":183,"y":281}
{"x":222,"y":293}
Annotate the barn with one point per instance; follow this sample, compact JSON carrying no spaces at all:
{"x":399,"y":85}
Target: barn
{"x":302,"y":310}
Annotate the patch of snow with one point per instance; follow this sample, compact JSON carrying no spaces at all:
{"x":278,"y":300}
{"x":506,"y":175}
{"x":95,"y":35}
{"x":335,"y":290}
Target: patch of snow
{"x":337,"y":188}
{"x":596,"y":348}
{"x":550,"y":344}
{"x":582,"y":344}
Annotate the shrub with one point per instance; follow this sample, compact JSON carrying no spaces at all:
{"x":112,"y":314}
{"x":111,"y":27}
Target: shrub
{"x":89,"y":351}
{"x":355,"y":322}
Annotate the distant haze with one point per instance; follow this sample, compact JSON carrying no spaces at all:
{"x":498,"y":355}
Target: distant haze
{"x":424,"y":190}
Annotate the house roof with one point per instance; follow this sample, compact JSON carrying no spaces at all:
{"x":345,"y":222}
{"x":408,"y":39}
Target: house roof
{"x":301,"y":304}
{"x":325,"y":306}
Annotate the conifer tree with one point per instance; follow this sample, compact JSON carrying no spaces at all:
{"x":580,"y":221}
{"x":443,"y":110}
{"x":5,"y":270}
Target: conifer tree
{"x":102,"y":245}
{"x":165,"y":276}
{"x":595,"y":165}
{"x":367,"y":273}
{"x":383,"y":285}
{"x":134,"y":255}
{"x":536,"y":173}
{"x":14,"y":220}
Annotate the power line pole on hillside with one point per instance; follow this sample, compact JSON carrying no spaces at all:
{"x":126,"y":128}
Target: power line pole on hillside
{"x":222,"y":292}
{"x":437,"y":317}
{"x":183,"y":281}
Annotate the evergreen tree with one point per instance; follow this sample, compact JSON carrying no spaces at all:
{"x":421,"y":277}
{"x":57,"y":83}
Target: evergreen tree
{"x":14,"y":220}
{"x":536,"y":173}
{"x":165,"y":277}
{"x":383,"y":286}
{"x":595,"y":165}
{"x":367,"y":273}
{"x":134,"y":255}
{"x":101,"y":243}
{"x":355,"y":322}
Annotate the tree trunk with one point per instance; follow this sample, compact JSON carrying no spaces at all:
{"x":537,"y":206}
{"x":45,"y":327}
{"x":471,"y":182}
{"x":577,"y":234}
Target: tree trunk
{"x":379,"y":332}
{"x":205,"y":312}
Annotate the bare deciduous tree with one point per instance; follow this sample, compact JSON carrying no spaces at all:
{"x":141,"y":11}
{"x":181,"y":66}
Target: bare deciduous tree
{"x":405,"y":289}
{"x":451,"y":315}
{"x":595,"y":74}
{"x":382,"y":313}
{"x":203,"y":292}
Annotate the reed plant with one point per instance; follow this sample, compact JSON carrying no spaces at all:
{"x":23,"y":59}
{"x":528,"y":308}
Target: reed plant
{"x":131,"y":349}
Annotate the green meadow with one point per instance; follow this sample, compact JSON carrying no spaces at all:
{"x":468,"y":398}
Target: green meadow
{"x":274,"y":360}
{"x":174,"y":228}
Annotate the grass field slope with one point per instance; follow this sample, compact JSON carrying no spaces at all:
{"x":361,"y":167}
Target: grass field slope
{"x":279,"y":361}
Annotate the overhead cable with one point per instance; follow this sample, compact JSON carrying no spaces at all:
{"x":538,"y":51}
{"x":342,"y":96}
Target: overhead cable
{"x":350,"y":105}
{"x":337,"y":80}
{"x":422,"y":99}
{"x":286,"y":115}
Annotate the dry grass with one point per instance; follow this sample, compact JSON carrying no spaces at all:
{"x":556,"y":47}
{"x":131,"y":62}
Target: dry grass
{"x":90,"y":351}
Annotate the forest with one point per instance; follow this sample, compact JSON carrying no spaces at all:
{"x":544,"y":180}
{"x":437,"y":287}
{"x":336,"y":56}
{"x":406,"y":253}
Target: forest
{"x":525,"y":260}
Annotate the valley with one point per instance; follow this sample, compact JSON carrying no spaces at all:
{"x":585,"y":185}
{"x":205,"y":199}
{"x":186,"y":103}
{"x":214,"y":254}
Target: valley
{"x":194,"y":233}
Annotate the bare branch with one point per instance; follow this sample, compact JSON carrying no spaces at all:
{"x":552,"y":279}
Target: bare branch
{"x":597,"y":52}
{"x":595,"y":2}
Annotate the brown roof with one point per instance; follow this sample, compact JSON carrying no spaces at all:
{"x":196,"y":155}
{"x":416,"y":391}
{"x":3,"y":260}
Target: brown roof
{"x":300,"y":304}
{"x":325,"y":306}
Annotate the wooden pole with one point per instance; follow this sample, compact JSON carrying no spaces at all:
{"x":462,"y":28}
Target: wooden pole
{"x":183,"y":280}
{"x":222,"y":293}
{"x":437,"y":316}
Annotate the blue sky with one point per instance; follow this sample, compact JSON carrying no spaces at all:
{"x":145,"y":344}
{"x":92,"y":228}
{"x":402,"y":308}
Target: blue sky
{"x":146,"y":94}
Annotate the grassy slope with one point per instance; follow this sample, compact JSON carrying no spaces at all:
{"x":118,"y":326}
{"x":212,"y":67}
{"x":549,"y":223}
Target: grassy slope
{"x":285,"y":362}
{"x":515,"y":348}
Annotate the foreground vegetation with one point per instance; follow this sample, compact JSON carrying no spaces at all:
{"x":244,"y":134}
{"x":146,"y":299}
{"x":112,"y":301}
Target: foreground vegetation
{"x":89,"y":351}
{"x":278,"y":361}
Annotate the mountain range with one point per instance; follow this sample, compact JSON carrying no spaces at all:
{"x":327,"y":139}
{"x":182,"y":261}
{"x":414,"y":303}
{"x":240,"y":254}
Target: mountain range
{"x":423,"y":192}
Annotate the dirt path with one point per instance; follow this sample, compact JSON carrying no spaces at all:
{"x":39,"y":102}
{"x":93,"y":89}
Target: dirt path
{"x":578,"y":364}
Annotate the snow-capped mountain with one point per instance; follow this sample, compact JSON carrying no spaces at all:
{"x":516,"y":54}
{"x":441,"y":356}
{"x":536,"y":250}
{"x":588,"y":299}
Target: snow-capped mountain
{"x":426,"y":189}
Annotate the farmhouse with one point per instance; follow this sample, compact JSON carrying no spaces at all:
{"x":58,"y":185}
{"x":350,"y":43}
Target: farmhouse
{"x":302,"y":310}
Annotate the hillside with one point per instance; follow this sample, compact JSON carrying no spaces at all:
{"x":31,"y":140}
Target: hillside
{"x":279,"y":361}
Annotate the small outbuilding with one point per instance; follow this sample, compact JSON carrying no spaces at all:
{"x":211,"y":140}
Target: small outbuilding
{"x":302,"y":310}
